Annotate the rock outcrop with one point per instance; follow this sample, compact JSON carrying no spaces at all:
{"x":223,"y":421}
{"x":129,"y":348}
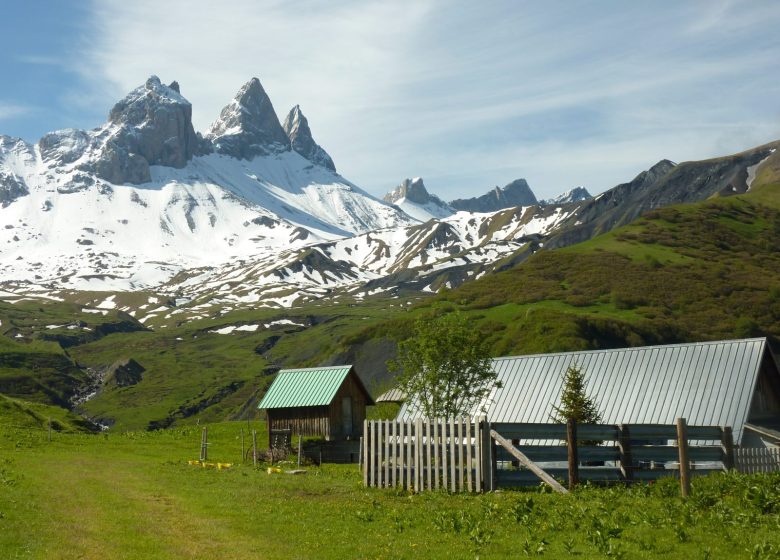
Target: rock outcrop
{"x":296,"y":126}
{"x":12,"y":186}
{"x":516,"y":193}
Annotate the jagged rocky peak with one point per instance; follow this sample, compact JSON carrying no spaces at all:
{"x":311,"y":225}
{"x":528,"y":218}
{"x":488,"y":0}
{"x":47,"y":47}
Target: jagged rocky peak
{"x":152,"y":125}
{"x":155,"y":122}
{"x":577,"y":194}
{"x":412,"y":190}
{"x":248,"y":125}
{"x":516,"y":193}
{"x":296,"y":126}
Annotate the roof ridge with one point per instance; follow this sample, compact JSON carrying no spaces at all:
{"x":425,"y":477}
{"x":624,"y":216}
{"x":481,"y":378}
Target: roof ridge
{"x":635,"y":348}
{"x":320,"y":368}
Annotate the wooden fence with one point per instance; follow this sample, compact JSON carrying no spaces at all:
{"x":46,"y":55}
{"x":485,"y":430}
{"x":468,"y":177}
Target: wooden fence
{"x":475,"y":455}
{"x":758,"y":459}
{"x":427,"y":454}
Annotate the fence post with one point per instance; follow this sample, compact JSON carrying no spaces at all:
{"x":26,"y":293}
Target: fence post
{"x":488,"y":474}
{"x":49,"y":429}
{"x":727,"y":443}
{"x":254,"y":449}
{"x":242,"y":445}
{"x":386,"y":431}
{"x":626,"y":459}
{"x":394,"y":452}
{"x":364,"y":452}
{"x":453,"y":457}
{"x":682,"y":447}
{"x":571,"y":443}
{"x":372,"y":452}
{"x":410,"y":455}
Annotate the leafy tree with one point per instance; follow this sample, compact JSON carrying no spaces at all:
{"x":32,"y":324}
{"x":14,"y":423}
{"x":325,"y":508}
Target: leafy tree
{"x":444,"y":367}
{"x":575,"y":403}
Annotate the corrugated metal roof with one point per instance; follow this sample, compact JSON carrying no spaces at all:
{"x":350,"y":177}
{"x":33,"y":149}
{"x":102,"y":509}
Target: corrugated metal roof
{"x":393,"y":395}
{"x":305,"y":387}
{"x":708,"y":383}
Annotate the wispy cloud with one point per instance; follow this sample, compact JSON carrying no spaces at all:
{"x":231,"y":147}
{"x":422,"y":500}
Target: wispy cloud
{"x":466,"y":95}
{"x":39,"y":59}
{"x":11,"y":111}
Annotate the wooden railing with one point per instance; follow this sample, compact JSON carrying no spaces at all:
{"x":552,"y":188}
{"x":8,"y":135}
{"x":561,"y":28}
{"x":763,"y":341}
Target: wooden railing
{"x":463,"y":455}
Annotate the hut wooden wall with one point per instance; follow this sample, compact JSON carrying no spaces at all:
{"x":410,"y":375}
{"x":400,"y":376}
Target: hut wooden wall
{"x":351,"y":387}
{"x":307,"y":421}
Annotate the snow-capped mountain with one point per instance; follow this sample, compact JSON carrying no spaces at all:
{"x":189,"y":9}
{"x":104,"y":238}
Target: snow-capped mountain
{"x":253,"y":212}
{"x":132,"y":203}
{"x":577,"y":194}
{"x":412,"y":197}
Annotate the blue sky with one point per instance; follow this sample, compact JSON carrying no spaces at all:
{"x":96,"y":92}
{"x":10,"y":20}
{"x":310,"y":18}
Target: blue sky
{"x":467,"y":96}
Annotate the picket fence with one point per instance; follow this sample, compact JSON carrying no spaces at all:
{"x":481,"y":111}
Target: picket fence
{"x":757,"y":459}
{"x":427,"y":454}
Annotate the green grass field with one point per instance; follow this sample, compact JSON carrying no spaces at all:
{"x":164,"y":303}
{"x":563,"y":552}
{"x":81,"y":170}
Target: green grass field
{"x":134,"y":495}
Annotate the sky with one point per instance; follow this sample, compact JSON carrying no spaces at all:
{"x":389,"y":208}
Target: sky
{"x":468,"y":95}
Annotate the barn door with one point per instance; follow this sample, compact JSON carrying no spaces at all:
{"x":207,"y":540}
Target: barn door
{"x":346,"y":413}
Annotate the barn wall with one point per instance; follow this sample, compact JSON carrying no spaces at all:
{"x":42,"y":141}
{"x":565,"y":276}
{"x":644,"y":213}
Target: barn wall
{"x":766,"y":399}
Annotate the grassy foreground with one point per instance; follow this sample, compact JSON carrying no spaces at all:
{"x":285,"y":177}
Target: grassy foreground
{"x":133,"y":495}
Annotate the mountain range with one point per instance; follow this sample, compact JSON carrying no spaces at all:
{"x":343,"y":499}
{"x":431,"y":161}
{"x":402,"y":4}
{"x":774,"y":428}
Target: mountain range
{"x":253,"y":212}
{"x":152,"y":273}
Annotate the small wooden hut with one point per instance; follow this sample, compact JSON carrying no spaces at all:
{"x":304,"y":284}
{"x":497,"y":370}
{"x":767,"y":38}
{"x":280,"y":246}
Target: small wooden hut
{"x":324,"y":401}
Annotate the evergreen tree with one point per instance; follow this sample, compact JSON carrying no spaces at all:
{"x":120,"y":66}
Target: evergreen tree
{"x":574,"y":401}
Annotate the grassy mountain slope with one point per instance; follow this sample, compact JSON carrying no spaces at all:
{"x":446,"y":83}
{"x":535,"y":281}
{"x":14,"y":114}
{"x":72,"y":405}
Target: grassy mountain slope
{"x":193,"y":371}
{"x":690,"y":272}
{"x":16,"y":414}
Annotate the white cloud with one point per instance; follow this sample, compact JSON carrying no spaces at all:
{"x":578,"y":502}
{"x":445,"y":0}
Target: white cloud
{"x":467,"y":95}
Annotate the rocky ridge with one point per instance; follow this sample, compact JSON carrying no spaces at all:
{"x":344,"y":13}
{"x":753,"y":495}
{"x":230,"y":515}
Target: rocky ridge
{"x":296,"y":127}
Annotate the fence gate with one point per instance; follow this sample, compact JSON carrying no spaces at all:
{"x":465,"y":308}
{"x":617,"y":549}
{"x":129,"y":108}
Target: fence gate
{"x":427,"y":454}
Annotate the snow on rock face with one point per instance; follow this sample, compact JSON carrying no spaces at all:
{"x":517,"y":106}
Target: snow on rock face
{"x":418,"y":253}
{"x":296,"y":126}
{"x":577,"y":194}
{"x":248,"y":126}
{"x":412,"y":197}
{"x":16,"y":157}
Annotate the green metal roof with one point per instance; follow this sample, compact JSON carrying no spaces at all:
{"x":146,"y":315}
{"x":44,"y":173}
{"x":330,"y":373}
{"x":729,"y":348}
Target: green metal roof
{"x":305,"y":387}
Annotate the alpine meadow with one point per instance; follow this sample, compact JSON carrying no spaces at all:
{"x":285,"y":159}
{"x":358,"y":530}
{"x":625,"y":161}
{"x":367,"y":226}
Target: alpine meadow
{"x":557,"y":343}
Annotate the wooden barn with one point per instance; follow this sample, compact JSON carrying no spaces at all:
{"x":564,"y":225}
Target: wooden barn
{"x":323,"y":401}
{"x":732,"y":383}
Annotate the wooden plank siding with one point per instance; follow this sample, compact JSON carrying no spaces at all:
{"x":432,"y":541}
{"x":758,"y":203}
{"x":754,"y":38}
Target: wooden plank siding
{"x":305,"y":421}
{"x":352,"y":388}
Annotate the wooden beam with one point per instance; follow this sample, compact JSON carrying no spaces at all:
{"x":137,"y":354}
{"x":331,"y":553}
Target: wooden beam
{"x":727,"y":442}
{"x":626,"y":458}
{"x":525,"y":461}
{"x":571,"y":443}
{"x":682,"y":447}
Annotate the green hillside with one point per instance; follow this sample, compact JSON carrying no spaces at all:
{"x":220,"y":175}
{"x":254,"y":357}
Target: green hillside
{"x":691,"y":272}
